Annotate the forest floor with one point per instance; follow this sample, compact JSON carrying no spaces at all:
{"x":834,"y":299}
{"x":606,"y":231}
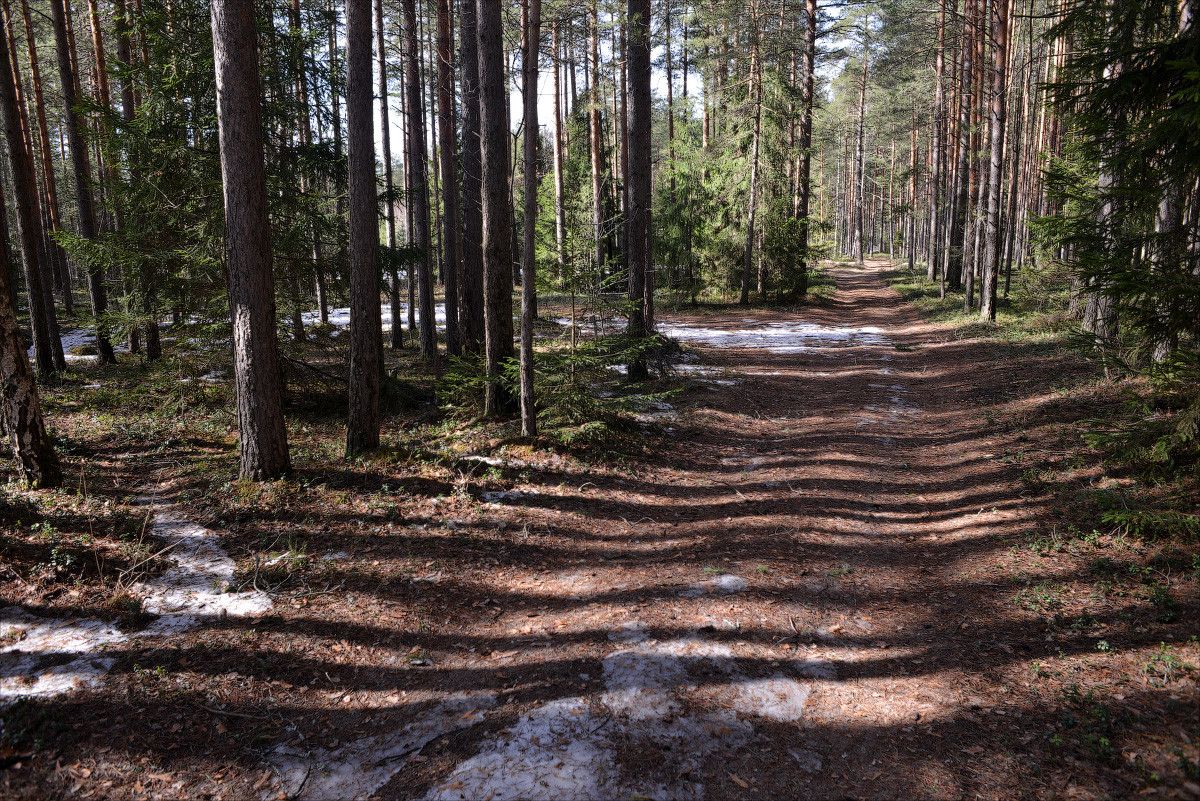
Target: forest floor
{"x":856,"y":557}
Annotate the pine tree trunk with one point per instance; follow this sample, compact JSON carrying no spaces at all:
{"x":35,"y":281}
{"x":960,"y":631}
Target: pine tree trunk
{"x":20,"y":406}
{"x":856,"y":213}
{"x":362,"y":429}
{"x":596,"y":140}
{"x":560,"y":211}
{"x":470,"y":290}
{"x":418,"y":196}
{"x":257,"y":377}
{"x":752,"y":203}
{"x":497,"y":204}
{"x":29,"y":224}
{"x":531,"y":10}
{"x":451,"y":215}
{"x":806,"y":129}
{"x":58,"y":257}
{"x":638,"y":233}
{"x":992,"y":249}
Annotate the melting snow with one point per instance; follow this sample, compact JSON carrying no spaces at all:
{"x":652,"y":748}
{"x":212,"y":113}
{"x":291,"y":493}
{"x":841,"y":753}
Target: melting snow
{"x":358,"y":769}
{"x":193,"y":589}
{"x":789,"y":337}
{"x":567,"y":749}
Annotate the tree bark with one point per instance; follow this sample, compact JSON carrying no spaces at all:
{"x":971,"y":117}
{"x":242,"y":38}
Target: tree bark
{"x":638,"y":233}
{"x":29,"y":224}
{"x":366,"y":347}
{"x":497,"y":204}
{"x":451,"y":216}
{"x":257,"y":377}
{"x":418,"y":196}
{"x":58,"y":257}
{"x":596,"y":137}
{"x":21,"y":407}
{"x":992,"y":250}
{"x":532,"y":27}
{"x":470,"y":290}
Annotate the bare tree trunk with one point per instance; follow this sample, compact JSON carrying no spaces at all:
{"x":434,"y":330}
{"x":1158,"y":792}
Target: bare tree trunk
{"x":953,"y":253}
{"x":74,"y":125}
{"x":57,"y":255}
{"x":752,"y":204}
{"x":596,"y":136}
{"x":451,"y":215}
{"x":856,"y":213}
{"x":991,"y":260}
{"x":396,"y":334}
{"x":21,"y":409}
{"x":937,"y":148}
{"x":806,"y":128}
{"x":638,"y":233}
{"x":470,"y":290}
{"x":531,"y":10}
{"x":257,"y":376}
{"x":29,"y":226}
{"x":497,"y":203}
{"x":362,"y":428}
{"x":418,"y":196}
{"x":560,"y":211}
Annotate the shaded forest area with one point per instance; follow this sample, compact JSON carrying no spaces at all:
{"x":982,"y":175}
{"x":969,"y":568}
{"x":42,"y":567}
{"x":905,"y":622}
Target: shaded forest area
{"x":600,"y":398}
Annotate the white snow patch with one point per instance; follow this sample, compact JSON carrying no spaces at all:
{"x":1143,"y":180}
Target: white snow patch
{"x":356,"y":770}
{"x":724,"y":584}
{"x":789,"y":337}
{"x":340,"y":318}
{"x":36,"y":641}
{"x":196,"y":587}
{"x":567,"y":749}
{"x":199,"y":583}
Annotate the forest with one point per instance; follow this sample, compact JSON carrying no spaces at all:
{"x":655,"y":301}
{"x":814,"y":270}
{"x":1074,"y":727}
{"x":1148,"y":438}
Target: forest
{"x":600,"y":399}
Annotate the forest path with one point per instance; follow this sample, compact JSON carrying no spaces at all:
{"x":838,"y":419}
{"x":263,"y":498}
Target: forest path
{"x":786,"y":601}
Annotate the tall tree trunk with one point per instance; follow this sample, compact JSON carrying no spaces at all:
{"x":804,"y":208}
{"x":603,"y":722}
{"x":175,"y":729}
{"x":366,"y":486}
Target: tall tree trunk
{"x":257,"y":376}
{"x":805,"y":142}
{"x":531,"y":10}
{"x":366,"y":347}
{"x":560,"y":210}
{"x":470,"y":290}
{"x":596,"y":139}
{"x":20,"y":407}
{"x":952,"y":259}
{"x":395,"y":311}
{"x":29,"y":224}
{"x":74,"y":125}
{"x":638,"y":233}
{"x":62,"y":278}
{"x":752,"y":204}
{"x":497,"y":203}
{"x":418,"y":196}
{"x":856,"y":213}
{"x":991,"y":259}
{"x":451,"y":215}
{"x":937,"y":147}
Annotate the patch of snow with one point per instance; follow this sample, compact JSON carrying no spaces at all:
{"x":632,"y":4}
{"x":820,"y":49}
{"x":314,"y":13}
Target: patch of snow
{"x":567,"y":749}
{"x":788,"y":337}
{"x":199,"y":583}
{"x":500,"y":496}
{"x":35,"y":641}
{"x":196,"y":587}
{"x":724,"y":584}
{"x":340,"y":318}
{"x":356,"y":770}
